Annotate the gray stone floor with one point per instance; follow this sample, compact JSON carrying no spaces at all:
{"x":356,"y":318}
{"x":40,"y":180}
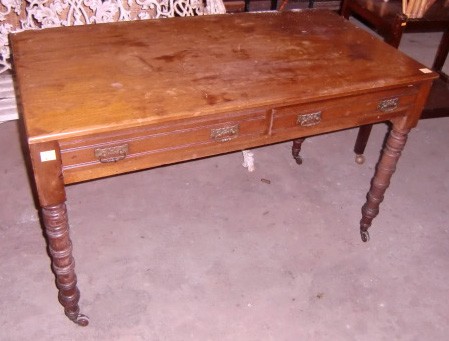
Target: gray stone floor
{"x":205,"y":250}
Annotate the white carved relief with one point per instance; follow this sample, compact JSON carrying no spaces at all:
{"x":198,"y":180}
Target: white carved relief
{"x":13,"y":9}
{"x":8,"y":7}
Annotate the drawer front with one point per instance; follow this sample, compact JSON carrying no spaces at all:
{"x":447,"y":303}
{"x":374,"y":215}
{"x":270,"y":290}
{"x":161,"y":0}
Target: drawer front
{"x":339,"y":113}
{"x":113,"y":153}
{"x":128,"y":150}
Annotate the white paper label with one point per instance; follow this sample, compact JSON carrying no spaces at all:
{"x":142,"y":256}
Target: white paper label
{"x":425,"y":70}
{"x":48,"y":155}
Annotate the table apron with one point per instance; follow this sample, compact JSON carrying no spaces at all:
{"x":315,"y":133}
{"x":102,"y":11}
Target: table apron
{"x":128,"y":150}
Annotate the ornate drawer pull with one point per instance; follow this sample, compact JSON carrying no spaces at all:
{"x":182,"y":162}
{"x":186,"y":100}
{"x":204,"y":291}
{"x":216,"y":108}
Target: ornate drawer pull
{"x":224,"y":134}
{"x":111,"y":154}
{"x":309,"y":120}
{"x":387,"y":105}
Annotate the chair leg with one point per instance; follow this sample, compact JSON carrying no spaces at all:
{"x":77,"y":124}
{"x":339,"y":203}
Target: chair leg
{"x":345,"y":11}
{"x":296,"y":148}
{"x":394,"y":34}
{"x":283,"y":5}
{"x":360,"y":143}
{"x":443,"y":50}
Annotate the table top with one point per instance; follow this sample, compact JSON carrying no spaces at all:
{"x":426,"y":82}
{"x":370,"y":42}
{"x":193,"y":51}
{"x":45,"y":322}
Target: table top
{"x":76,"y":81}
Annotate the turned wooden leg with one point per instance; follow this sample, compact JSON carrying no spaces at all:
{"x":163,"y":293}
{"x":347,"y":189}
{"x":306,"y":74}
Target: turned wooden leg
{"x":63,"y":264}
{"x":381,"y":180}
{"x":361,"y":142}
{"x":296,"y":148}
{"x":48,"y":178}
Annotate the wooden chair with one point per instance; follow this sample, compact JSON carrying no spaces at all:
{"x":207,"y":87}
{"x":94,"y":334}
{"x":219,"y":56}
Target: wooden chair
{"x":387,"y":18}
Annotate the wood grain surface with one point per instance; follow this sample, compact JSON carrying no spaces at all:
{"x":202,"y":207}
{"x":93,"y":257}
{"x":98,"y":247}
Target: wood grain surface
{"x":112,"y":76}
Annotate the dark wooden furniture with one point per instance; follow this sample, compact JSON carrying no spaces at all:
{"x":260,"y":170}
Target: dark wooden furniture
{"x":387,"y":19}
{"x":321,"y":4}
{"x":113,"y":98}
{"x":234,"y":6}
{"x":333,"y":5}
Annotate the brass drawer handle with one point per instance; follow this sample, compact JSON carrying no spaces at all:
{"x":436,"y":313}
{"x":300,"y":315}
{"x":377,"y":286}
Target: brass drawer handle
{"x":388,"y":105}
{"x":224,"y":134}
{"x":309,"y":120}
{"x":111,"y":154}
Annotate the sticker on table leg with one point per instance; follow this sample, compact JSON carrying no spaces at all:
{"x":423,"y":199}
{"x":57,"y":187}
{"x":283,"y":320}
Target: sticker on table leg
{"x":48,"y":155}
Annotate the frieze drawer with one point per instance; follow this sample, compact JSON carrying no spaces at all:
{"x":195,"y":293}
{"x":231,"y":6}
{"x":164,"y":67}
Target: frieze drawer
{"x":317,"y":117}
{"x":160,"y":144}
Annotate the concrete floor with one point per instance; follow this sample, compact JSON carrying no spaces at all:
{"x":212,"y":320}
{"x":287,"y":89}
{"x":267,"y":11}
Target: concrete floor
{"x":205,"y":250}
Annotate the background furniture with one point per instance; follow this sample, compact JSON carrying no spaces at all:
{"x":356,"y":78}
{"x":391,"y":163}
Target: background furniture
{"x":256,"y":5}
{"x":389,"y":21}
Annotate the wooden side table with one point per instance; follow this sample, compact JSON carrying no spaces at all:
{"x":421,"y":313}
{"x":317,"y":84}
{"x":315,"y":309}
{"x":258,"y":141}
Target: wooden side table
{"x":114,"y":98}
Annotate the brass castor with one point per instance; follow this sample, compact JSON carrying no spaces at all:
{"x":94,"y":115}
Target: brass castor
{"x":80,"y":320}
{"x":360,"y":159}
{"x":298,"y":159}
{"x":364,"y":235}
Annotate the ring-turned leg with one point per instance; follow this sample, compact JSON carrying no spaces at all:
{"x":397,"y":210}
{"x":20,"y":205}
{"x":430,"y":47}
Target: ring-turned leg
{"x":296,"y":149}
{"x":63,"y":264}
{"x":381,"y":180}
{"x":48,"y":178}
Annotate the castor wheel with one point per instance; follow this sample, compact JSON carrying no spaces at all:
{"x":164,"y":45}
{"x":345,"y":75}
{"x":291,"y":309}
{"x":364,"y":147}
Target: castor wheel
{"x":360,"y":159}
{"x":364,"y":235}
{"x":81,"y":320}
{"x":296,"y":149}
